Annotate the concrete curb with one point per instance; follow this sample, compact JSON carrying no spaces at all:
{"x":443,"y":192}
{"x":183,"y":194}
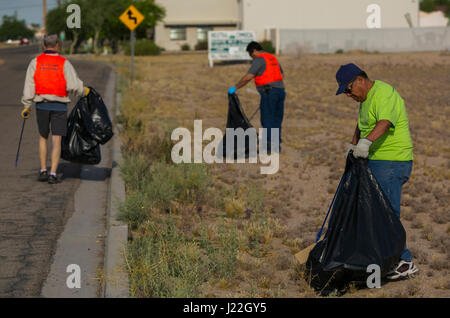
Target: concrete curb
{"x":117,"y":281}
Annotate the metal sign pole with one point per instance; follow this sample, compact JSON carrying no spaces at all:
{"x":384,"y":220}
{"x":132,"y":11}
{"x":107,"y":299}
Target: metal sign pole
{"x":132,"y":55}
{"x":131,"y":17}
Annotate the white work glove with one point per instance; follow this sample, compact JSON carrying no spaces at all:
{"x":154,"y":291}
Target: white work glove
{"x":361,"y":150}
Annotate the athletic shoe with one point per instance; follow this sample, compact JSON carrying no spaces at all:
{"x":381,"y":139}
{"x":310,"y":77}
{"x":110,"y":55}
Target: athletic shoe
{"x":53,"y":179}
{"x":43,"y":176}
{"x":403,"y":269}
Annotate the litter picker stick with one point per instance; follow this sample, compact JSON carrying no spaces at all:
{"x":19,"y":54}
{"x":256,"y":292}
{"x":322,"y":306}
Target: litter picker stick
{"x":20,"y":141}
{"x":329,"y":209}
{"x":254,"y":114}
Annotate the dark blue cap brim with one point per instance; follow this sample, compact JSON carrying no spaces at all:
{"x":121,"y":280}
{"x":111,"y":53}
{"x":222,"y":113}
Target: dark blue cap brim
{"x":341,"y":89}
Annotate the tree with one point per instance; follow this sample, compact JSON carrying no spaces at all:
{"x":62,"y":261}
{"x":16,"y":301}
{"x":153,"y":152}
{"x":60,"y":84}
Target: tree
{"x":152,"y":13}
{"x":115,"y":30}
{"x":57,"y":22}
{"x":15,"y":29}
{"x":100,"y":20}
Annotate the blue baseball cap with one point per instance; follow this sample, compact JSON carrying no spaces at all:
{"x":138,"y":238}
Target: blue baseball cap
{"x":345,"y":75}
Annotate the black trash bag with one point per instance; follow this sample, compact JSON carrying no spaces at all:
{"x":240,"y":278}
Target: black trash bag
{"x":96,"y":117}
{"x":78,"y":145}
{"x":237,"y":119}
{"x":363,"y":230}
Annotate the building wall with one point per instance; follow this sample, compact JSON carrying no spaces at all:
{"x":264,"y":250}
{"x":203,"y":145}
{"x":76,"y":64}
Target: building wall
{"x":218,"y":14}
{"x":162,"y":37}
{"x":259,"y":15}
{"x":262,"y":15}
{"x":433,"y":19}
{"x":371,"y":40}
{"x":200,"y":11}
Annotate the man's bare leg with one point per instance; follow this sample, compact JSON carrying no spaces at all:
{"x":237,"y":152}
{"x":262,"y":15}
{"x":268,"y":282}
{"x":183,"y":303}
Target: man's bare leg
{"x":43,"y":152}
{"x":56,"y":153}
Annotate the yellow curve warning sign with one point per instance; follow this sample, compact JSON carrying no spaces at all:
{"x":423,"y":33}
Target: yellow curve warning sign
{"x":131,"y":17}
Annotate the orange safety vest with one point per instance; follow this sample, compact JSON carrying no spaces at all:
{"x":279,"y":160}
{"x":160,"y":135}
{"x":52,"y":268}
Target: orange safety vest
{"x":49,"y":76}
{"x":272,"y":72}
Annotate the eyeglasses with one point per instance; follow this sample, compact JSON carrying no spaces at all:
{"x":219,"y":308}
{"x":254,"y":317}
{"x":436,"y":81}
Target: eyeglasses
{"x":349,"y":90}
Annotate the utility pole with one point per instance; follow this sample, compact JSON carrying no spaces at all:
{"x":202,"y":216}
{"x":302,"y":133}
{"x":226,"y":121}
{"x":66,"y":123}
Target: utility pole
{"x":44,"y":7}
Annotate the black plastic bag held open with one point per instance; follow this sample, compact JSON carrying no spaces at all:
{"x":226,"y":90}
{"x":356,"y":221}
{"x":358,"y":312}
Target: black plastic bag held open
{"x":236,"y":119}
{"x":363,"y":230}
{"x":88,"y":126}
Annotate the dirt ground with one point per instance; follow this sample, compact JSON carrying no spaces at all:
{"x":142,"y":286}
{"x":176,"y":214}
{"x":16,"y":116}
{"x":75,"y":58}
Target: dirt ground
{"x":317,"y":128}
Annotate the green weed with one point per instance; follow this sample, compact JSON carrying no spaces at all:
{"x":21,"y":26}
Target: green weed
{"x":163,"y":263}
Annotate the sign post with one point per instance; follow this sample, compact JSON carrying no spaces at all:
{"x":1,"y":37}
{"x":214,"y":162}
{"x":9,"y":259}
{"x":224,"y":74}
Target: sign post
{"x":132,"y":40}
{"x":131,"y":17}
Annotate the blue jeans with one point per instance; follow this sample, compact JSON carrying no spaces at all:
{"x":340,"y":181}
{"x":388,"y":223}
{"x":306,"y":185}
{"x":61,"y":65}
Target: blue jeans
{"x":391,"y":176}
{"x":272,"y":111}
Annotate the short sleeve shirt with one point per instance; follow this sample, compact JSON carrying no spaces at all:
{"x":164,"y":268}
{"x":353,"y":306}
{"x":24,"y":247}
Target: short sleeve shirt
{"x":383,"y":102}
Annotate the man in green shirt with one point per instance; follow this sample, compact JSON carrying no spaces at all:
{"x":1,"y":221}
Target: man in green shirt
{"x":381,"y":135}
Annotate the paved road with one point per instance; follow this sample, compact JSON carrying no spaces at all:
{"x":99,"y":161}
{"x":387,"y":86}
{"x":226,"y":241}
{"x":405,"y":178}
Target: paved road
{"x":32,"y":214}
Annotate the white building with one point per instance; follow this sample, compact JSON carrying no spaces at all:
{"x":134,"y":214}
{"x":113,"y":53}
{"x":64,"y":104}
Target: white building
{"x":433,"y":19}
{"x":187,"y":21}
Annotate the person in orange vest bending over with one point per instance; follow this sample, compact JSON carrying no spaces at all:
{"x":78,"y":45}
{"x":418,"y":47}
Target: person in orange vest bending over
{"x":268,"y":76}
{"x":50,"y":77}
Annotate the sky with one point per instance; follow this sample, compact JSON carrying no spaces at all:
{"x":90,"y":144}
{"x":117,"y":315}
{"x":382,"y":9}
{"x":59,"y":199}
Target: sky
{"x":28,"y":10}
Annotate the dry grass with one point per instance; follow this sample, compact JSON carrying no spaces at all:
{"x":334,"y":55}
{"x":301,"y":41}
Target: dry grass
{"x":316,"y":129}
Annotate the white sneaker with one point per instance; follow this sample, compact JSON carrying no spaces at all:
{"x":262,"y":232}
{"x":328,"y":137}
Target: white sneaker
{"x":403,"y":269}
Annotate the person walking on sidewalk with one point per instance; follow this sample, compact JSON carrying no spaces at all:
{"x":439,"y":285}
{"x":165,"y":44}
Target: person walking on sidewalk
{"x":381,"y":135}
{"x":268,"y":76}
{"x":49,"y":79}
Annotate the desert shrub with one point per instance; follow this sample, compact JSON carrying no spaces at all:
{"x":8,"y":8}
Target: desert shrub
{"x":143,"y":47}
{"x":440,"y":217}
{"x":221,"y":249}
{"x":413,"y":288}
{"x":201,"y":46}
{"x":183,"y":182}
{"x":419,"y":254}
{"x":134,"y":210}
{"x":185,"y":47}
{"x":439,"y":263}
{"x":255,"y":198}
{"x":440,"y":242}
{"x":417,"y":224}
{"x":159,"y":148}
{"x":162,"y":263}
{"x":135,"y":170}
{"x":259,"y":232}
{"x":136,"y":142}
{"x":268,"y":47}
{"x":339,"y":51}
{"x":427,"y":232}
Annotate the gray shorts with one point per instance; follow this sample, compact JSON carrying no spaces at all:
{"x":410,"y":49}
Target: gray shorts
{"x":57,"y":120}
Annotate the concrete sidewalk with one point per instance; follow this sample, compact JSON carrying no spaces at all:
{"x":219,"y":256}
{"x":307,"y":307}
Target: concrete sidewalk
{"x":82,"y":241}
